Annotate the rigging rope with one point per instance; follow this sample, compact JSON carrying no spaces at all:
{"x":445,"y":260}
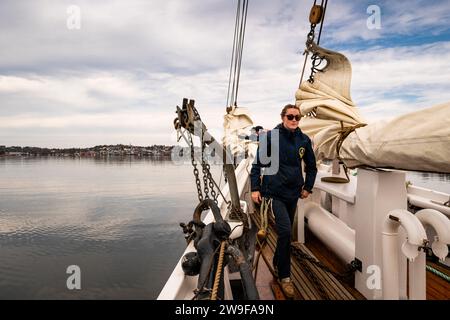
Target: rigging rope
{"x":236,"y":56}
{"x":316,"y":16}
{"x":321,"y":20}
{"x":261,"y":236}
{"x":438,"y":273}
{"x":218,"y":271}
{"x":210,"y":267}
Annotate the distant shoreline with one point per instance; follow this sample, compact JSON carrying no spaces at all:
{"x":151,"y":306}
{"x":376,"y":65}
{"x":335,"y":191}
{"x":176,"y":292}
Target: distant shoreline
{"x":92,"y":152}
{"x":106,"y":156}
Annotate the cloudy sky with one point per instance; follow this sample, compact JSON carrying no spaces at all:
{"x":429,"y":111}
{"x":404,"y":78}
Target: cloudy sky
{"x":119,"y":76}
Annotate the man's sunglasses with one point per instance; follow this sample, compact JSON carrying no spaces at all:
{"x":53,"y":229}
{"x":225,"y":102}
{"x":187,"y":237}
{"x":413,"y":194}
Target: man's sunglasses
{"x":291,"y":117}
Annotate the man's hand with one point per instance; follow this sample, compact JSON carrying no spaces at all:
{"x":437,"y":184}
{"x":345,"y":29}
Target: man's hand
{"x":256,"y":196}
{"x":304,"y":194}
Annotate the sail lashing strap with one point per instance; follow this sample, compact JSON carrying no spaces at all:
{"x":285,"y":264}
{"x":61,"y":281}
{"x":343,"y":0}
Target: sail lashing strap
{"x":344,"y":133}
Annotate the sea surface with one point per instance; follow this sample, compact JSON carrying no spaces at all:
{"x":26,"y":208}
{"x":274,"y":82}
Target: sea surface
{"x":116,"y":219}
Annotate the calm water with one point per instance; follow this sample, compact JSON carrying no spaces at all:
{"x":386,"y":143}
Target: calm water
{"x":117,"y":220}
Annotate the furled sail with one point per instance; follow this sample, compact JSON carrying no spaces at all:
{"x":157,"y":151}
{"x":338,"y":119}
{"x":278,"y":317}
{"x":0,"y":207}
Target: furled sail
{"x":327,"y":104}
{"x":417,"y":141}
{"x":236,"y":126}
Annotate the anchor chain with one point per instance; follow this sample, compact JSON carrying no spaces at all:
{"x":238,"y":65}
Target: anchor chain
{"x":187,"y":118}
{"x":208,"y":181}
{"x":344,"y":277}
{"x":195,"y":170}
{"x":238,"y":214}
{"x":312,"y":276}
{"x":205,"y":173}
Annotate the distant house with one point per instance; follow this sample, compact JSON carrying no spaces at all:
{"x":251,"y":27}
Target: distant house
{"x":14,"y":153}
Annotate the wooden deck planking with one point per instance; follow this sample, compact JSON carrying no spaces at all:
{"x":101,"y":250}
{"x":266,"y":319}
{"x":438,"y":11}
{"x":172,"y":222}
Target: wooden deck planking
{"x":340,"y":289}
{"x":437,"y":288}
{"x":304,"y":292}
{"x":263,"y":278}
{"x":305,"y":287}
{"x":330,"y":259}
{"x":307,"y":283}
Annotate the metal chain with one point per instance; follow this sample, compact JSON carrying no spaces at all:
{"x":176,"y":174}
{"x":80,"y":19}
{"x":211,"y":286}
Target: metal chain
{"x":312,"y":276}
{"x":205,"y":172}
{"x":343,"y":277}
{"x":214,"y":195}
{"x":309,"y":42}
{"x":316,"y":60}
{"x":208,"y":180}
{"x":239,"y":215}
{"x":311,"y":35}
{"x":194,"y":165}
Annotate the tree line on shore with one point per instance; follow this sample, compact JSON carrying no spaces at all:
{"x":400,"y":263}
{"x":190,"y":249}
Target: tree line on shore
{"x":119,"y":149}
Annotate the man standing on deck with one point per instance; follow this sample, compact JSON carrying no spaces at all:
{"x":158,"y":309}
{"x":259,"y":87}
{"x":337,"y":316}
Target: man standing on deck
{"x":285,"y":185}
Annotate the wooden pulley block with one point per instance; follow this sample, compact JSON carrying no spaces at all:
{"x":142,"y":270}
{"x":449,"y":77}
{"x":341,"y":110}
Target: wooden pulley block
{"x":315,"y":16}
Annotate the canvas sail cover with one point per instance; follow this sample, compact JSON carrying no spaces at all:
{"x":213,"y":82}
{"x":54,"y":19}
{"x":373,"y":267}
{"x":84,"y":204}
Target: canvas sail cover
{"x":417,"y":141}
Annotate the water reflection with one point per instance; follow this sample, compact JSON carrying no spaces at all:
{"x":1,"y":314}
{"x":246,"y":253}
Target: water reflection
{"x":117,"y":218}
{"x":435,"y":181}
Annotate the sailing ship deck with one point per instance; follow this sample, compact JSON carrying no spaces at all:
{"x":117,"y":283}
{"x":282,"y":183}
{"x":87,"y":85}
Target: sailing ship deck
{"x":312,"y":282}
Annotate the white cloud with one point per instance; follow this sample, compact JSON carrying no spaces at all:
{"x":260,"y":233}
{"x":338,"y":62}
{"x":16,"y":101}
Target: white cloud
{"x":346,"y":21}
{"x":120,"y":76}
{"x":395,"y":81}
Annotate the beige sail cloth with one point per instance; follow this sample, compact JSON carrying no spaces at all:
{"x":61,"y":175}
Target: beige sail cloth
{"x":327,"y":104}
{"x":417,"y":141}
{"x":237,"y":123}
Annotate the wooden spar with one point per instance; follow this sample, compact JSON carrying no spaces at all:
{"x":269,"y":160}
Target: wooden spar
{"x":228,"y":162}
{"x":189,"y":119}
